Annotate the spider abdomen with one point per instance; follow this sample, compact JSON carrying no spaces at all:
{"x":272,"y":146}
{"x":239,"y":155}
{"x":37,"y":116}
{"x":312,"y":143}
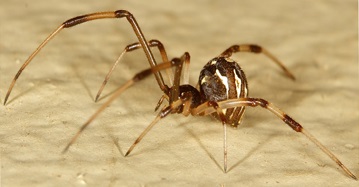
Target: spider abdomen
{"x":221,"y":79}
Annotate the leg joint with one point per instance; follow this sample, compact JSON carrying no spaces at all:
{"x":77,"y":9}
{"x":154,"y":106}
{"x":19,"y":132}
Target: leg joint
{"x":293,"y":124}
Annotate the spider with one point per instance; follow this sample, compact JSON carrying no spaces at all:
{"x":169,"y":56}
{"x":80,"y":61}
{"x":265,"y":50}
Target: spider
{"x":222,"y":89}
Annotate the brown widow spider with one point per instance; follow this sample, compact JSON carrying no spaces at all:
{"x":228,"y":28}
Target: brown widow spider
{"x":223,"y":89}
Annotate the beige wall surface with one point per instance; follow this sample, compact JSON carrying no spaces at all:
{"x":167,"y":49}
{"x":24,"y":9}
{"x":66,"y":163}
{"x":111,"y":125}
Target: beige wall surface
{"x":316,"y":40}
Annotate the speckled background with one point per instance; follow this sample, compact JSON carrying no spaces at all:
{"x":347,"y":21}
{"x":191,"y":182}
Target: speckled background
{"x":316,"y":40}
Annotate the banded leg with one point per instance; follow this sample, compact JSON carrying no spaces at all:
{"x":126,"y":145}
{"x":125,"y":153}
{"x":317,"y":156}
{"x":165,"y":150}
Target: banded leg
{"x":179,"y":64}
{"x":89,"y":17}
{"x":174,"y":99}
{"x":176,"y":62}
{"x":223,"y":118}
{"x":187,"y":62}
{"x":256,"y":49}
{"x":129,"y":48}
{"x":185,"y":59}
{"x":254,"y":102}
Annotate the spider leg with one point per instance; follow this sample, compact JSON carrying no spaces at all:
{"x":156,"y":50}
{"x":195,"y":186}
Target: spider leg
{"x":175,"y":99}
{"x":174,"y":90}
{"x":129,"y":48}
{"x":254,"y":102}
{"x":256,"y":49}
{"x":89,"y":17}
{"x":178,"y":63}
{"x":187,"y":61}
{"x":160,"y":101}
{"x":223,"y":119}
{"x":139,"y":76}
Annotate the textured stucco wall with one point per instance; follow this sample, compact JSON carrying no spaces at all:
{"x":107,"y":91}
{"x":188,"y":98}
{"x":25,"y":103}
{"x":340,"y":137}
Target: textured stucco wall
{"x":316,"y":40}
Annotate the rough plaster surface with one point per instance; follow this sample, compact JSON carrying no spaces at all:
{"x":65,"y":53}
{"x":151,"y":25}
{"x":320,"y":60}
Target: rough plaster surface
{"x":317,"y":40}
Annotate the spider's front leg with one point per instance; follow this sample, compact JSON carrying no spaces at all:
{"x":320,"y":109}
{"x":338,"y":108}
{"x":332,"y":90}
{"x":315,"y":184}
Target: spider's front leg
{"x":138,"y":77}
{"x":90,"y":17}
{"x":176,"y":62}
{"x":254,"y":102}
{"x":182,"y":98}
{"x":132,"y":47}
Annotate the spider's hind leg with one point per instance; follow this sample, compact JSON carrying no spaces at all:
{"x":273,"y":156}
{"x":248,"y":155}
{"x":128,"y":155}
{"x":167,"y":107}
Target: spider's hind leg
{"x":256,"y":49}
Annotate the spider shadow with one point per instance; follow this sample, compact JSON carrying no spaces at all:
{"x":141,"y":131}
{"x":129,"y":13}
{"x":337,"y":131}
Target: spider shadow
{"x":108,"y":94}
{"x":251,"y":152}
{"x":24,"y":92}
{"x":109,"y":131}
{"x":115,"y":141}
{"x":82,"y":81}
{"x":87,"y":88}
{"x":202,"y":146}
{"x":269,"y":137}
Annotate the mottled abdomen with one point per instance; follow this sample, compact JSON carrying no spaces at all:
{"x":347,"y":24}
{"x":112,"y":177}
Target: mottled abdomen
{"x":221,"y":79}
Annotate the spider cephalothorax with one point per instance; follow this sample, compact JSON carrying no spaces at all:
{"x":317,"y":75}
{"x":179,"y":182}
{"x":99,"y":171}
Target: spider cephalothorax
{"x":222,"y":92}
